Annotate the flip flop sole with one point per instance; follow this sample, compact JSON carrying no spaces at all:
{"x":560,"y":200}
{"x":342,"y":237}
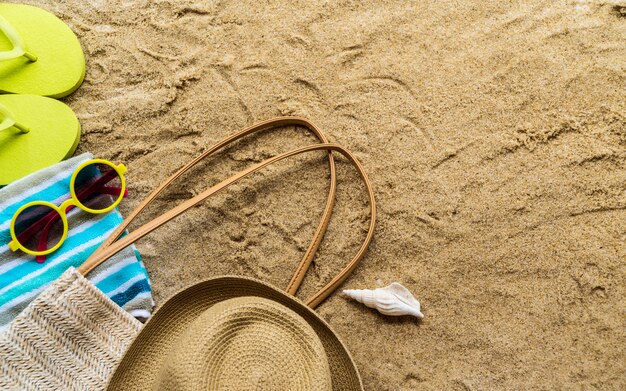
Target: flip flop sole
{"x":54,"y":135}
{"x":60,"y":66}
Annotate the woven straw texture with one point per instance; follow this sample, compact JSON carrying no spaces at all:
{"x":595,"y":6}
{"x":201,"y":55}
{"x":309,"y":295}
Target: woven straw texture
{"x":148,"y":358}
{"x":69,"y":338}
{"x":246,"y":344}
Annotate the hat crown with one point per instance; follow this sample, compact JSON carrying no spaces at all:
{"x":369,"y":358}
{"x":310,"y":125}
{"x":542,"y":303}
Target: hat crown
{"x":246,"y":343}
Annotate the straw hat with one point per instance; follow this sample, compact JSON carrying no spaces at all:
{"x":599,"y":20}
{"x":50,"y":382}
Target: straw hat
{"x":236,"y":333}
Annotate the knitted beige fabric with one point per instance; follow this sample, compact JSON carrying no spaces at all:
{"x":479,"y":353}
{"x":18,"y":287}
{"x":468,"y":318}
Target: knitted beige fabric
{"x":69,"y":338}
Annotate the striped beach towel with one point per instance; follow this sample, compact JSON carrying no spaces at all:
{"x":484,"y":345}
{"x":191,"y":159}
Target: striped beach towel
{"x":123,"y":277}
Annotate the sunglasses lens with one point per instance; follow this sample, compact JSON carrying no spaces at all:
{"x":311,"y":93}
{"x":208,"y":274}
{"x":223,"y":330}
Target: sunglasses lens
{"x":38,"y":228}
{"x":98,"y":186}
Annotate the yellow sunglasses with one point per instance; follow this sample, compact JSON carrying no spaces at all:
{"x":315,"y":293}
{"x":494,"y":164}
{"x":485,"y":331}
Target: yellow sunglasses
{"x":39,"y":228}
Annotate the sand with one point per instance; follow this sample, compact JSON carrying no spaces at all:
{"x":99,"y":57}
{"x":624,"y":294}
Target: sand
{"x":494,"y":134}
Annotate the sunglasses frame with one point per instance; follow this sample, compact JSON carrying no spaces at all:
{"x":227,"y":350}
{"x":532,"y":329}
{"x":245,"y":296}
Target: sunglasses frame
{"x":120,"y":169}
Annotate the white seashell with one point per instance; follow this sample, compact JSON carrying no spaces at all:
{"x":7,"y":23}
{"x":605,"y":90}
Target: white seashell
{"x":393,"y":300}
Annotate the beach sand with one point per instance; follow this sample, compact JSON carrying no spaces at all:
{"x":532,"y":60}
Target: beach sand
{"x":494,"y":133}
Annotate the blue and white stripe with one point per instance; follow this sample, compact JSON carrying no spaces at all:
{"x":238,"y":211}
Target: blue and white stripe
{"x":123,"y":277}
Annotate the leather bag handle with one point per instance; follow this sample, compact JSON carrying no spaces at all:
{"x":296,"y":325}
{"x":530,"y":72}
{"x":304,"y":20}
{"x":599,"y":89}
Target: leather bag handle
{"x":304,"y":264}
{"x":317,"y":298}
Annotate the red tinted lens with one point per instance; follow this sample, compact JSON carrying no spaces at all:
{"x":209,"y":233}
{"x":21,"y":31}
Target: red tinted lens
{"x":38,"y":228}
{"x":97,"y":186}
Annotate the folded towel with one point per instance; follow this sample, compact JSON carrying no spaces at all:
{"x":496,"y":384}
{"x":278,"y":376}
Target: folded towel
{"x":123,"y":277}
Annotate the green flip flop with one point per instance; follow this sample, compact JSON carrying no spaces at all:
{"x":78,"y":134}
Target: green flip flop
{"x":39,"y":54}
{"x":35,"y":132}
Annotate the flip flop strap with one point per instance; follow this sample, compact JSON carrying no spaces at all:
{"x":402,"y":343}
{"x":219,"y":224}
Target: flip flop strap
{"x":313,"y":301}
{"x":19,"y":48}
{"x":8,"y":120}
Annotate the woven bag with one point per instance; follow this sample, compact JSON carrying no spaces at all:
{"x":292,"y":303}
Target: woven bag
{"x":69,"y":338}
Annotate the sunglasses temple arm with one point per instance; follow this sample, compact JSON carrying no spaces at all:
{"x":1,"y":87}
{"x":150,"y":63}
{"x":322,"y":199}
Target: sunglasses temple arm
{"x":42,"y":246}
{"x":113,"y":191}
{"x":97,"y":184}
{"x":30,"y":231}
{"x":43,"y":239}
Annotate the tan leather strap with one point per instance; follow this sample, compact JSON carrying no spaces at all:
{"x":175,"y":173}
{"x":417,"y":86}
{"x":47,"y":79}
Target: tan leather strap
{"x":304,"y":264}
{"x":313,"y":301}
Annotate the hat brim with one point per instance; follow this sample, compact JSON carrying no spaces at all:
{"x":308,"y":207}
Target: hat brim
{"x":141,"y":362}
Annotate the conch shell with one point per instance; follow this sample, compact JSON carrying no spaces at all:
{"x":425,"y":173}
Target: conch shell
{"x":393,"y":300}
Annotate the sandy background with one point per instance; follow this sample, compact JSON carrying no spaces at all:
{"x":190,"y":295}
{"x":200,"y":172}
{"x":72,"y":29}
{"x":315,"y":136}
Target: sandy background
{"x":494,"y":133}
